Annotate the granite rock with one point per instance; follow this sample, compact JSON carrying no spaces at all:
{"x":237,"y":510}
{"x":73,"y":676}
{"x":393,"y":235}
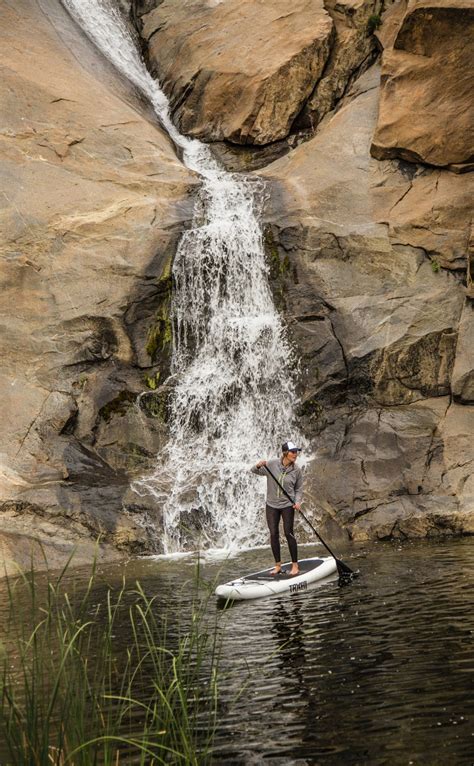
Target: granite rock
{"x":239,"y":71}
{"x":93,"y":202}
{"x":426,"y":109}
{"x":374,"y":298}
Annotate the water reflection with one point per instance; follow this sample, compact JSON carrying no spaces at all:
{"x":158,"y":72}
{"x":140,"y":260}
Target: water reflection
{"x":377,"y":673}
{"x":380,"y":672}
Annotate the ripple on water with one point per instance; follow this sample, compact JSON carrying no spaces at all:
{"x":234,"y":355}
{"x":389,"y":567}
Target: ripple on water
{"x":380,"y":672}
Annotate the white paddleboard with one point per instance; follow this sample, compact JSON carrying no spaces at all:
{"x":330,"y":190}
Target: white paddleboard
{"x":261,"y":584}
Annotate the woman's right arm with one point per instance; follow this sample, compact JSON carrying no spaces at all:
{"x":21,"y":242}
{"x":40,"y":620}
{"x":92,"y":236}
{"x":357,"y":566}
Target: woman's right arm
{"x":259,"y":468}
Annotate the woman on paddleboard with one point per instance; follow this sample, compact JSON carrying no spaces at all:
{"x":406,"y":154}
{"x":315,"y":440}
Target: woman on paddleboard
{"x":286,"y":472}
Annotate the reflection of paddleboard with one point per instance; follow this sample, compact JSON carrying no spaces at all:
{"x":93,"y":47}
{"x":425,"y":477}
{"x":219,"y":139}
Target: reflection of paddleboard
{"x":263,"y":583}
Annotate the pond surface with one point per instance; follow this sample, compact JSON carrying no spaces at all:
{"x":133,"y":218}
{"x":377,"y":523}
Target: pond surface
{"x":379,"y":672}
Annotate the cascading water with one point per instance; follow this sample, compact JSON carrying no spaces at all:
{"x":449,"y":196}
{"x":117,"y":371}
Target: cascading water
{"x":233,"y":400}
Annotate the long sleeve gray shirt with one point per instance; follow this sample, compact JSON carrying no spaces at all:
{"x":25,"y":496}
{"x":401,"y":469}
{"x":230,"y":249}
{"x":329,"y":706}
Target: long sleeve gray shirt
{"x":290,"y":476}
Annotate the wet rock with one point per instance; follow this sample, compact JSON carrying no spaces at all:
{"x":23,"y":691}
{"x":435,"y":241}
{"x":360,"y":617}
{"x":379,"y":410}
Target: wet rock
{"x":248,"y":157}
{"x":194,"y":524}
{"x":426,"y":108}
{"x":23,"y":545}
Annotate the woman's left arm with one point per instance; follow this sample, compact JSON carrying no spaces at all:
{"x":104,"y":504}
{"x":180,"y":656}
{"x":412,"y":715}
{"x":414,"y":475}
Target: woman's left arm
{"x":298,"y":489}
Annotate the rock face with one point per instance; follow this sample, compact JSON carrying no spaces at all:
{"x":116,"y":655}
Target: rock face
{"x":93,"y":203}
{"x":251,"y":72}
{"x":426,"y":108}
{"x":371,"y":259}
{"x":239,"y":71}
{"x":381,"y":328}
{"x":463,"y":372}
{"x":352,"y":51}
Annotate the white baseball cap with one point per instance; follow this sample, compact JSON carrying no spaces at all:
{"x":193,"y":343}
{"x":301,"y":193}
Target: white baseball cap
{"x":290,"y":447}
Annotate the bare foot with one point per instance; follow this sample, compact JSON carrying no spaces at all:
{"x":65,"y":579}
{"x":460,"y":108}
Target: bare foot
{"x":294,"y":569}
{"x":276,"y":570}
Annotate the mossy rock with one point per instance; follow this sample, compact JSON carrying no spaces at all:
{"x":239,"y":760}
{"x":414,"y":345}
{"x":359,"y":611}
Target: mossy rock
{"x":117,"y":406}
{"x":137,"y":456}
{"x":152,"y":381}
{"x":310,"y":408}
{"x":373,"y":23}
{"x":160,"y":335}
{"x":166,"y":280}
{"x":155,"y":404}
{"x":279,"y":267}
{"x":160,"y":332}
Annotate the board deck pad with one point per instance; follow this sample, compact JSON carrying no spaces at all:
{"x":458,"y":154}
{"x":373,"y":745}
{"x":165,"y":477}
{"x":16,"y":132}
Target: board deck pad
{"x":261,"y":584}
{"x":306,"y":565}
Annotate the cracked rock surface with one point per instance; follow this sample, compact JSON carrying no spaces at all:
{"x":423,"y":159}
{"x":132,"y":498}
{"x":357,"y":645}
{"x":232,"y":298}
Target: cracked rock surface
{"x":244,"y":72}
{"x":375,"y":298}
{"x":84,"y":174}
{"x":372,"y":263}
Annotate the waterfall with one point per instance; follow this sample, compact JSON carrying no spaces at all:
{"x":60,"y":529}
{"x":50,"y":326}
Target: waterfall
{"x":232,"y":400}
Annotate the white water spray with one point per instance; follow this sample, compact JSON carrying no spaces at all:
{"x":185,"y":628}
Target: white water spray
{"x":233,"y":399}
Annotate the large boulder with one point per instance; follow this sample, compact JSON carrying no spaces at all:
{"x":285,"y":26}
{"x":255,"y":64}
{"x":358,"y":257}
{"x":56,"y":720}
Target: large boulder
{"x":93,"y":201}
{"x":426,"y":110}
{"x":251,"y":76}
{"x":237,"y":70}
{"x":370,"y":269}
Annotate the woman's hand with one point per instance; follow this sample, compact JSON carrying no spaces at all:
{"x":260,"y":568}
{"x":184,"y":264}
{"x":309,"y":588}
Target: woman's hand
{"x":261,"y":463}
{"x":297,"y":506}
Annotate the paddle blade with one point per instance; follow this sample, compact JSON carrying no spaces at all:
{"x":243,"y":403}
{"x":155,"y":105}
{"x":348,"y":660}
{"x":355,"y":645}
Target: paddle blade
{"x":346,"y":574}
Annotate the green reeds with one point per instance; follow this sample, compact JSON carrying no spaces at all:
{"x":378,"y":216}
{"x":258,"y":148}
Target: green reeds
{"x":74,"y":693}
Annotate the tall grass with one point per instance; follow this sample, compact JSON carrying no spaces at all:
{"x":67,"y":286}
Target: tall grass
{"x":72,"y":693}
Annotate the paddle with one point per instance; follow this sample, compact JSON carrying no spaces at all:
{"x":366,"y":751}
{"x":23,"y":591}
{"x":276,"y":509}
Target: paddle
{"x":346,"y":574}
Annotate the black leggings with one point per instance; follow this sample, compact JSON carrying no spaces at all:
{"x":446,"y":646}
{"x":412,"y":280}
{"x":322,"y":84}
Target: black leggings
{"x":273,"y":521}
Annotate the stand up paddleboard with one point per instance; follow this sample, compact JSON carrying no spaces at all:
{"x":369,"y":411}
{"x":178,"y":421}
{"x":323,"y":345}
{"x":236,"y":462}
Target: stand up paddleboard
{"x":261,"y":584}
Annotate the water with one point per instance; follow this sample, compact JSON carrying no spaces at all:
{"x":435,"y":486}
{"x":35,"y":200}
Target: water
{"x":233,"y":400}
{"x":379,"y":673}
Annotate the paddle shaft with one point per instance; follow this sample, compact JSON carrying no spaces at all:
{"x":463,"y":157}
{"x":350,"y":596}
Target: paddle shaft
{"x":304,"y":517}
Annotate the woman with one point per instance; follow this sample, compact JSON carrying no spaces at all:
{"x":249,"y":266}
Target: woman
{"x":291,"y":478}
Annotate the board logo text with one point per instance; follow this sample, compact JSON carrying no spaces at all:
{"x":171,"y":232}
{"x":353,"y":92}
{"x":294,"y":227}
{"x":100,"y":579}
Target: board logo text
{"x":298,"y":586}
